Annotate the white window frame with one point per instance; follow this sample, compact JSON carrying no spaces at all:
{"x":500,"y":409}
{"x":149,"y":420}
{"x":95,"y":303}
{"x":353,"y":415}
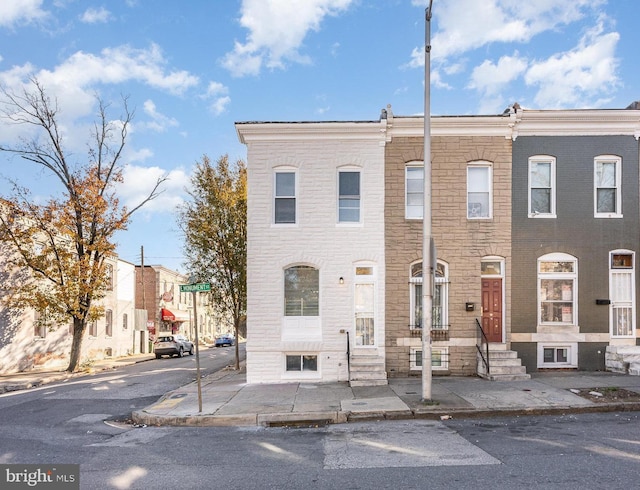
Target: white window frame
{"x":558,"y":276}
{"x":441,"y":281}
{"x":552,"y":186}
{"x":413,"y":211}
{"x":294,"y":196}
{"x":471,"y":205}
{"x":349,"y":197}
{"x":617,"y":161}
{"x":301,"y":355}
{"x":416,"y":359}
{"x":572,"y":355}
{"x":618,"y":303}
{"x":317,"y":295}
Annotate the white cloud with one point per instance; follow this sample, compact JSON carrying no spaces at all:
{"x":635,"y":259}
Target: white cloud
{"x":465,"y":25}
{"x":577,"y":78}
{"x":220,"y":105}
{"x":490,"y":77}
{"x":277,"y":29}
{"x":158,"y":122}
{"x":218,"y":92}
{"x":74,"y":82}
{"x":139,"y":181}
{"x":490,"y":80}
{"x":94,"y":16}
{"x":14,"y":12}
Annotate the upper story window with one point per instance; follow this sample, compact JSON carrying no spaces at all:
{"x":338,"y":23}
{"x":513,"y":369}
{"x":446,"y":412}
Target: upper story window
{"x":301,"y":291}
{"x":557,"y":289}
{"x":479,"y":201}
{"x":414,"y":190}
{"x":349,"y":196}
{"x":607,"y":189}
{"x":542,"y":184}
{"x":108,"y":271}
{"x":285,"y":197}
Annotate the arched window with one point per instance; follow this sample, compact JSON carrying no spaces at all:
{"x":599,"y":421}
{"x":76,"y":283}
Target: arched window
{"x":557,"y":289}
{"x":440,"y":303}
{"x":301,"y":291}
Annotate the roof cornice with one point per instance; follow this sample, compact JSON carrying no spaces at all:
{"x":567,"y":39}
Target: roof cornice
{"x":585,"y":122}
{"x":452,"y":126}
{"x":249,"y":132}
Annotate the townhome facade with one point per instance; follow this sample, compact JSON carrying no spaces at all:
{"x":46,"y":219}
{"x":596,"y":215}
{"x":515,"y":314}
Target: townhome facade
{"x":575,"y":236}
{"x":535,"y":224}
{"x":315,"y":251}
{"x":471,"y":229}
{"x":27,"y":343}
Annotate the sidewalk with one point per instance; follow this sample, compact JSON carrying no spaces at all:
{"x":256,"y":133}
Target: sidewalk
{"x":227,"y":399}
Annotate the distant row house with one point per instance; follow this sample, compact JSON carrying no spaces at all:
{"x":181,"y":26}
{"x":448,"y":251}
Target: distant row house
{"x":535,"y":219}
{"x":140,"y":303}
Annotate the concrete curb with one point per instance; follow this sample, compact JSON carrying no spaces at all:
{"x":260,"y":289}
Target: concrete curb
{"x":340,"y":417}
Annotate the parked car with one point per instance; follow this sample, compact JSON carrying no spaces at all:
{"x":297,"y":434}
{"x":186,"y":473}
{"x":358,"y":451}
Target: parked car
{"x":225,"y":339}
{"x":172,"y":345}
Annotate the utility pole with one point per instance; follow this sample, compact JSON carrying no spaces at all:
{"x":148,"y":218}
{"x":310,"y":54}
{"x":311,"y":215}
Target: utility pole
{"x":427,"y":260}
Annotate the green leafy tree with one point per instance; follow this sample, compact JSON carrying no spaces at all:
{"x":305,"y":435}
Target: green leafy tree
{"x":214,"y":223}
{"x":63,"y":243}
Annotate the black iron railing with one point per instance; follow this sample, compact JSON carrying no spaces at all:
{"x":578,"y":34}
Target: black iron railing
{"x":481,"y":341}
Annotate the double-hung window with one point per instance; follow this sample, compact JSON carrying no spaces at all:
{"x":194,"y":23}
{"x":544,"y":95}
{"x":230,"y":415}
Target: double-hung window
{"x":414,"y":190}
{"x":285,"y":197}
{"x":607,"y":180}
{"x":479,"y":205}
{"x":557,"y":289}
{"x":542,"y":181}
{"x":349,"y":196}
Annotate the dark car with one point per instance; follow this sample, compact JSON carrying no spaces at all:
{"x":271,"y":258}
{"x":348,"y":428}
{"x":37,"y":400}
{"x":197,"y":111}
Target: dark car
{"x":172,"y":345}
{"x":226,"y":339}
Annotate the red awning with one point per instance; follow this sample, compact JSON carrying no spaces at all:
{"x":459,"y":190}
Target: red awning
{"x":169,"y":316}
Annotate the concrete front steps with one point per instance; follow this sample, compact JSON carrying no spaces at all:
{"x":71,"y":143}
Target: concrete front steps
{"x":623,"y":359}
{"x":504,"y":365}
{"x":367,"y":369}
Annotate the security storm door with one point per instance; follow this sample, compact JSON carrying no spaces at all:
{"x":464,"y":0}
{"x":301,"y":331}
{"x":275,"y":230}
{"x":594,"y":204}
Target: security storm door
{"x":622,"y":294}
{"x":492,"y":308}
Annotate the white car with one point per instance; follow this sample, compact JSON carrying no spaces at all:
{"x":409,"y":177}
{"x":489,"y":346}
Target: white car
{"x":172,"y":345}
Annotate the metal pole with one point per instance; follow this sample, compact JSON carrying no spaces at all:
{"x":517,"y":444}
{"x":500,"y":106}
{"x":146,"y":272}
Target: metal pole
{"x":427,"y":272}
{"x":195,"y":322}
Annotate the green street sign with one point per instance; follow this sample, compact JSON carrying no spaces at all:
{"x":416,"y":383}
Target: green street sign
{"x":194,"y":288}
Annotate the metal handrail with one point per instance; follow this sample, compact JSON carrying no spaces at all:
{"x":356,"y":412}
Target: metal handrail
{"x":485,"y":361}
{"x":348,"y":357}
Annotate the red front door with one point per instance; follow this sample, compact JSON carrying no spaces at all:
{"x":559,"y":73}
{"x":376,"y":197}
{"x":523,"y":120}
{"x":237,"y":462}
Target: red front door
{"x":492,"y":309}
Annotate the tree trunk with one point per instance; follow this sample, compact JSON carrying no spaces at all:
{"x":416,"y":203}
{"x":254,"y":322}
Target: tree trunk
{"x":76,"y":343}
{"x":236,"y":325}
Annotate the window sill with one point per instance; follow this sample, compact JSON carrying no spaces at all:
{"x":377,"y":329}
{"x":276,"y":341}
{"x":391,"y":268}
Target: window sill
{"x":542,"y":216}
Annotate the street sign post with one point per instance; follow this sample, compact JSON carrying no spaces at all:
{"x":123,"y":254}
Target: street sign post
{"x":195,"y":289}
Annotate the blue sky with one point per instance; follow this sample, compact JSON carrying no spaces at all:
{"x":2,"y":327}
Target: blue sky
{"x":193,"y":68}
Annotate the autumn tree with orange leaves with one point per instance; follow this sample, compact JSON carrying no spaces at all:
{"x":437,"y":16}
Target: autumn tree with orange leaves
{"x":59,"y":247}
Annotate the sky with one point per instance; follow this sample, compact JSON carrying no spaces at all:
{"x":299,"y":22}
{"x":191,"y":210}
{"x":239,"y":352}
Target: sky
{"x":191,"y":69}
